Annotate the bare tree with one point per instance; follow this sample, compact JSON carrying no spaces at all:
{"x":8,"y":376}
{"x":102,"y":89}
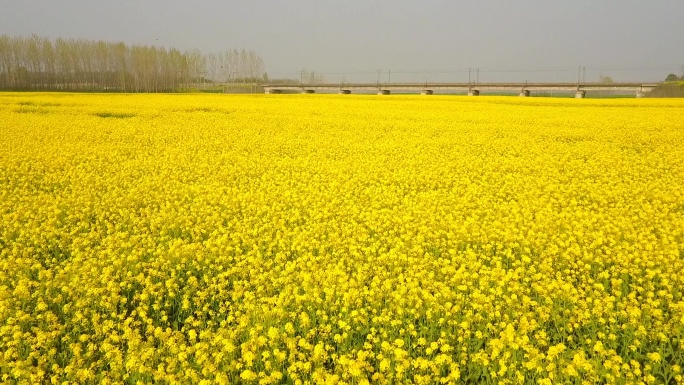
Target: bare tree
{"x":36,"y":63}
{"x":311,"y":77}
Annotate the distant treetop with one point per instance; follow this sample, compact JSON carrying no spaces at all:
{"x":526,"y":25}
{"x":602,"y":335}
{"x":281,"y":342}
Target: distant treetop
{"x":672,"y":78}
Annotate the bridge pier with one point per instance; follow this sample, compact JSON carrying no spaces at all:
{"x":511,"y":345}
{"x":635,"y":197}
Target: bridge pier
{"x":383,"y":92}
{"x":580,"y":94}
{"x":525,"y":93}
{"x":344,"y":92}
{"x":426,"y":92}
{"x":473,"y":92}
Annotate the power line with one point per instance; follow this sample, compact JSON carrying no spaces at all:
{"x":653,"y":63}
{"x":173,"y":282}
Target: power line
{"x":492,"y":70}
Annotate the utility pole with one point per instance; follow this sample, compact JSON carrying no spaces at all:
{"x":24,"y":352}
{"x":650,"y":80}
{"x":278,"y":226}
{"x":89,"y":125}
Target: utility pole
{"x":579,"y":70}
{"x":477,"y":76}
{"x":389,"y":76}
{"x":469,"y":69}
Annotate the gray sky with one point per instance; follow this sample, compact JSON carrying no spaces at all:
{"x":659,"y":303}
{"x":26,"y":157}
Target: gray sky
{"x":428,"y":40}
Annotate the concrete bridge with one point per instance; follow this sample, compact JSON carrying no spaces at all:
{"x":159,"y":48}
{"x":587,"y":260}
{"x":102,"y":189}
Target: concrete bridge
{"x":473,"y":89}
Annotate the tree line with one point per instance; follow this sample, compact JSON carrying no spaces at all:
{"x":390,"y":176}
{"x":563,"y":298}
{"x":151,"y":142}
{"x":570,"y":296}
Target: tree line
{"x":41,"y":64}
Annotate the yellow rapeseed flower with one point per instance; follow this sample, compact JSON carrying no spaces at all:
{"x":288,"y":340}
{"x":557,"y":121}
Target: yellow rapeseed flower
{"x":339,"y":239}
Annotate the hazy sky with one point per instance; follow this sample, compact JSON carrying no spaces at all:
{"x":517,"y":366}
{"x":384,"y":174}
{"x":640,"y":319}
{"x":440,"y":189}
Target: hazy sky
{"x":427,"y":40}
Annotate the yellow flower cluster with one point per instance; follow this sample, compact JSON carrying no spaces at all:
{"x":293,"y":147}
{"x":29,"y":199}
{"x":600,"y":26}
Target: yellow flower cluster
{"x":340,"y":239}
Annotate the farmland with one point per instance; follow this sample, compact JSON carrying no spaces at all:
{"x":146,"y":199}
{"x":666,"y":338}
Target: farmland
{"x":340,"y":239}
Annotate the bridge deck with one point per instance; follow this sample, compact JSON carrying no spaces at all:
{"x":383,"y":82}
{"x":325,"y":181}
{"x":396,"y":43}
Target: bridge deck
{"x":636,"y":87}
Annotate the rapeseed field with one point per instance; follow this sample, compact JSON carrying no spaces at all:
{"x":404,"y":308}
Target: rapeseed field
{"x":342,"y":239}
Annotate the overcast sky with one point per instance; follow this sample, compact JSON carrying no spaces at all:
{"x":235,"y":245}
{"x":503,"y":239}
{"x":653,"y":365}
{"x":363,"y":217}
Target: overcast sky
{"x":427,"y":40}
